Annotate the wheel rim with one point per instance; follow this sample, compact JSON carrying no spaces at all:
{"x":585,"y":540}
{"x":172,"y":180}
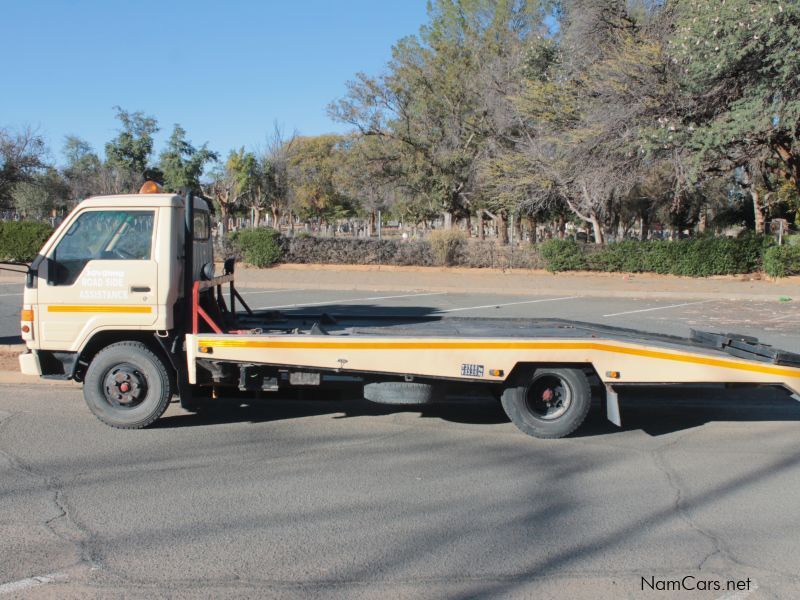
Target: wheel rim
{"x":124,"y":386}
{"x":548,"y":397}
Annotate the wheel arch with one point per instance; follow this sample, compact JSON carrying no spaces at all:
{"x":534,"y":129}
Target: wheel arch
{"x":105,"y":338}
{"x":525,"y":369}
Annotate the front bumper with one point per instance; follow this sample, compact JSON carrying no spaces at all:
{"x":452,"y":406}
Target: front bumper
{"x":29,"y":363}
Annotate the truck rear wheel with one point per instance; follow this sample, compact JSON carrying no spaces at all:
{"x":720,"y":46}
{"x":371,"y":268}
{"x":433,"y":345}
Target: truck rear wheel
{"x":551,"y":403}
{"x":127,"y":386}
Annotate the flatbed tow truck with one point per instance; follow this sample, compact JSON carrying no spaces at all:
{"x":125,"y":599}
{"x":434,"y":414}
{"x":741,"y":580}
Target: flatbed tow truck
{"x":110,"y":302}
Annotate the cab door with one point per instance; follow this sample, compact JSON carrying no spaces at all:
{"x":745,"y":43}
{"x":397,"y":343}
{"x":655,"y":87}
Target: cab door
{"x":100,"y":274}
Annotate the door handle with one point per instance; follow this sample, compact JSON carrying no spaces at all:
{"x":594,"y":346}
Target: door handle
{"x":140,"y":289}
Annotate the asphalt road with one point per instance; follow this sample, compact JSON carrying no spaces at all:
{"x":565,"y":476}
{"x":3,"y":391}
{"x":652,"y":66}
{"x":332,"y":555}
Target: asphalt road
{"x":352,"y":500}
{"x":324,"y":498}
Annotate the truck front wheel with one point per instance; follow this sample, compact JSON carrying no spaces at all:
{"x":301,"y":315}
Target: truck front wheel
{"x":551,"y":403}
{"x":127,"y":386}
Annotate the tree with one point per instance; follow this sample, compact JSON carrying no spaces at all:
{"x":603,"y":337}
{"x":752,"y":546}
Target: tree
{"x":275,"y":169}
{"x":511,"y":176}
{"x":427,"y":107}
{"x":225,"y":191}
{"x":740,"y":62}
{"x":83,"y":169}
{"x":586,"y":117}
{"x":22,"y":155}
{"x":313,"y":165}
{"x":241,"y":171}
{"x":128,"y":154}
{"x":181,"y":163}
{"x":361,"y":176}
{"x":39,"y":196}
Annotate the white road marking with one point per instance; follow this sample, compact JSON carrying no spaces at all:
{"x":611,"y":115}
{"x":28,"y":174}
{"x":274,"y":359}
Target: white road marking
{"x":782,"y":318}
{"x":641,"y":310}
{"x":269,"y":292}
{"x":22,"y":584}
{"x":350,"y":300}
{"x":507,"y":304}
{"x":4,"y":295}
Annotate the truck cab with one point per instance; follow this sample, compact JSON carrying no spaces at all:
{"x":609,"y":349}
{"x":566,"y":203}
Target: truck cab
{"x":111,"y":271}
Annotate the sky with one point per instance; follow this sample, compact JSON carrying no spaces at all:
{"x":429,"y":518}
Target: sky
{"x":225,"y":70}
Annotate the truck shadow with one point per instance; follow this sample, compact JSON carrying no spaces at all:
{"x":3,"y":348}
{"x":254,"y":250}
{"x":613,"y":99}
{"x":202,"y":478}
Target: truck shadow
{"x":660,"y":410}
{"x":653,"y":410}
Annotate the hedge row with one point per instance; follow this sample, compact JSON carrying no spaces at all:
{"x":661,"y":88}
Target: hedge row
{"x":697,"y":258}
{"x":20,"y":241}
{"x":305,"y":249}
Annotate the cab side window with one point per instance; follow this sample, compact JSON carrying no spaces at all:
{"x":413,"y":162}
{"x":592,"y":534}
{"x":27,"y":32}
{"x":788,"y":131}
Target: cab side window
{"x":103,"y":235}
{"x":202,"y":225}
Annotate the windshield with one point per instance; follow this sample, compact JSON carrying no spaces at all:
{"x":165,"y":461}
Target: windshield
{"x":104,"y":235}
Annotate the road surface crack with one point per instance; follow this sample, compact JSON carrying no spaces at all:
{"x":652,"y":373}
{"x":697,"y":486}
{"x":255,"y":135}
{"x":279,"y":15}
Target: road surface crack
{"x":719,"y":547}
{"x":63,"y":525}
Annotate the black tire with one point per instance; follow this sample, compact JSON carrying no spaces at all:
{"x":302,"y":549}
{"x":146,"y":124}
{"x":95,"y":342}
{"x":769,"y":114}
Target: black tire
{"x":399,"y":392}
{"x":551,"y":403}
{"x":127,"y":386}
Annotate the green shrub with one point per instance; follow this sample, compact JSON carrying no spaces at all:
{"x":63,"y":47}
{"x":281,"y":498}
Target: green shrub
{"x":628,"y":256}
{"x":259,"y":247}
{"x":722,"y":256}
{"x":563,"y":255}
{"x":20,"y":241}
{"x":782,"y":261}
{"x":447,"y":245}
{"x":701,"y":257}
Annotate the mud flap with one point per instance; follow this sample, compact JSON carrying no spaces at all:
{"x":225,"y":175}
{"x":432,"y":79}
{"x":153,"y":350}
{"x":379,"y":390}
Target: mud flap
{"x":612,"y":406}
{"x":177,"y":357}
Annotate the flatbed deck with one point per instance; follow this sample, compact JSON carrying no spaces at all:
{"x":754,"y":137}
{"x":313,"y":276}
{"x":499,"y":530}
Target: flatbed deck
{"x":489,"y":350}
{"x":481,"y":327}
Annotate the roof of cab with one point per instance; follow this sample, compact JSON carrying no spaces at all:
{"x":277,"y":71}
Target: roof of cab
{"x":139,"y":200}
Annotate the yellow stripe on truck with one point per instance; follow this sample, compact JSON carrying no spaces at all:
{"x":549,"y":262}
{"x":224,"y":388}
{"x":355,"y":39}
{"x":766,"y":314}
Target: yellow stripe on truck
{"x":433,"y":345}
{"x":91,"y":308}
